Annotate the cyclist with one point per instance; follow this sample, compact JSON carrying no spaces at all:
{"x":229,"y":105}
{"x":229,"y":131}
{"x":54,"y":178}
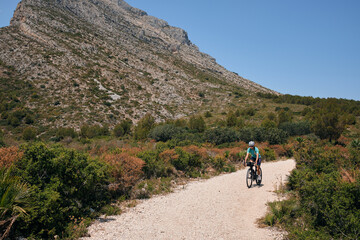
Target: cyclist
{"x":255,"y":157}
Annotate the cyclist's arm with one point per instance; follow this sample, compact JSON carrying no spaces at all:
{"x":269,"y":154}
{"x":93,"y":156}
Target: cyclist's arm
{"x":257,"y":158}
{"x":247,"y":155}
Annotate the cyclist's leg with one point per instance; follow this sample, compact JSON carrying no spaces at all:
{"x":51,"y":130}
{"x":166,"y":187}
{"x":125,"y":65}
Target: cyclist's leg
{"x":258,"y":166}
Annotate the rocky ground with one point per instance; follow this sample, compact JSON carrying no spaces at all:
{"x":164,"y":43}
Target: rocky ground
{"x":219,"y":208}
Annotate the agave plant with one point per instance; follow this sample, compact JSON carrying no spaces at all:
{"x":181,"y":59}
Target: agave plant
{"x":13,"y":194}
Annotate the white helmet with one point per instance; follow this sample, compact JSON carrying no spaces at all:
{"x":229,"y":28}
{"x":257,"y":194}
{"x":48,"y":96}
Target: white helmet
{"x":251,"y":143}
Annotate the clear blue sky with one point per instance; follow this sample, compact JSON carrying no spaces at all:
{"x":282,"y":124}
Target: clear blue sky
{"x":307,"y":47}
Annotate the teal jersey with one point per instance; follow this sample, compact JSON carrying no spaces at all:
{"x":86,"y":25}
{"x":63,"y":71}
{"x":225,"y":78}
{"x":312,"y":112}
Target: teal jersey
{"x":253,"y":152}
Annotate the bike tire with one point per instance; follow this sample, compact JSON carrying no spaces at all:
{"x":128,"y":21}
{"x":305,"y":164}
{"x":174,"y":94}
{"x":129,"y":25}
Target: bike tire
{"x":259,"y":182}
{"x":249,"y":178}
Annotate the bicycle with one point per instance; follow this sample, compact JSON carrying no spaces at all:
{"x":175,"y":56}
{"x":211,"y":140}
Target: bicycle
{"x":251,"y":175}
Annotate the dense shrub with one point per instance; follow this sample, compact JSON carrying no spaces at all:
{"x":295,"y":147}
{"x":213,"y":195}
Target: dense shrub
{"x":197,"y":124}
{"x":2,"y":143}
{"x":327,"y":202}
{"x":275,"y":136}
{"x":123,"y":128}
{"x":165,"y":132}
{"x":125,"y":169}
{"x":272,"y":135}
{"x":327,"y":125}
{"x":296,"y":128}
{"x":63,"y":183}
{"x":29,"y":133}
{"x":221,"y":135}
{"x":154,"y":165}
{"x":87,"y":131}
{"x":62,"y":133}
{"x":267,"y":123}
{"x":143,"y":127}
{"x":268,"y":154}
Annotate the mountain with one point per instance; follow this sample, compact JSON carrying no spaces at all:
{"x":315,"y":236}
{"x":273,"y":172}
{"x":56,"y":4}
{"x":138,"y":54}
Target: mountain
{"x":99,"y":61}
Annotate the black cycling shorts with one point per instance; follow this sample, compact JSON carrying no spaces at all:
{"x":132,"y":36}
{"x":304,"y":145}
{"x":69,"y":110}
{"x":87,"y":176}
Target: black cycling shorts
{"x":259,"y":160}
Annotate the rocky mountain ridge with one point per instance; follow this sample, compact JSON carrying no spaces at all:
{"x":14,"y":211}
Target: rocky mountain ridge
{"x":101,"y":61}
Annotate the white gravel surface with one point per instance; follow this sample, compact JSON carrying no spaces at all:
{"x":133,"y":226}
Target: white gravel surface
{"x":218,"y":208}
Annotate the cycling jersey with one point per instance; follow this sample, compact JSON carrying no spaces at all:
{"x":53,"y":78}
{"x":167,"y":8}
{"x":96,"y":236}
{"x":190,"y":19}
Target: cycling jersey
{"x":253,"y":152}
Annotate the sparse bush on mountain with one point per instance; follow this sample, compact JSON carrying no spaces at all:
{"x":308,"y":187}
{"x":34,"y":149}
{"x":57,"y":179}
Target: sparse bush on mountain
{"x":62,"y":133}
{"x":29,"y":133}
{"x":143,"y":127}
{"x":197,"y":124}
{"x":123,"y":128}
{"x":87,"y":131}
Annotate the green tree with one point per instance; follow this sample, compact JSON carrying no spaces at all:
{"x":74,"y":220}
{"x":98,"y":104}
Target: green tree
{"x":284,"y":116}
{"x":231,"y":119}
{"x":143,"y":127}
{"x":197,"y":124}
{"x":29,"y":133}
{"x":123,"y":128}
{"x":326,"y":125}
{"x":267,"y":123}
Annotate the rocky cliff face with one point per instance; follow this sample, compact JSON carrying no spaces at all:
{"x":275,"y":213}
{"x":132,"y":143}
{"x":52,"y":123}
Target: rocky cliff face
{"x":103,"y":60}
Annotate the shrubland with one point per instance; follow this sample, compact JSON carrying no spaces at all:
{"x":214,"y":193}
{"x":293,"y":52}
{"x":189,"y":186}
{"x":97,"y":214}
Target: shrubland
{"x":67,"y":176}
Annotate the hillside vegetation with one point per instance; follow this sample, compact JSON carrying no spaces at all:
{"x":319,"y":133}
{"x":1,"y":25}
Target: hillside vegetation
{"x":52,"y":175}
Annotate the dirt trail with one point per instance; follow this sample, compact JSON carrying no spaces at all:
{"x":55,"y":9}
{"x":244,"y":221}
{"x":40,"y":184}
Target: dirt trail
{"x":219,"y":208}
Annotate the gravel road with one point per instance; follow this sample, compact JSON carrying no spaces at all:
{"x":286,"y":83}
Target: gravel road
{"x":218,"y":208}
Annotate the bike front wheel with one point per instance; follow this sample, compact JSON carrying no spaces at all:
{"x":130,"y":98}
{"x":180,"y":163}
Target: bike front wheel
{"x":249,"y":178}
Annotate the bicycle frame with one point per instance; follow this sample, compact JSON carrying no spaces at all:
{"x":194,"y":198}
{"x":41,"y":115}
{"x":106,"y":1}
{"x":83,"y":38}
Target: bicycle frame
{"x":252,"y":175}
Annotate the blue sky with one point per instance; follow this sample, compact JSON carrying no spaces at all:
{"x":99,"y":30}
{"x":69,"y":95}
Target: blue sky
{"x":307,"y":48}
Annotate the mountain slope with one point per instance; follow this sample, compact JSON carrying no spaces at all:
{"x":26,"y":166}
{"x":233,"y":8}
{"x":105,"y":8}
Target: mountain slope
{"x":103,"y":60}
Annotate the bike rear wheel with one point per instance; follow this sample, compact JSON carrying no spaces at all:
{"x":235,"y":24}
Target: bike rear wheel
{"x":249,"y":178}
{"x":258,"y":182}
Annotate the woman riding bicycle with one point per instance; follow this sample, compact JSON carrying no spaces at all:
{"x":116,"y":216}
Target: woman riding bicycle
{"x":255,"y":157}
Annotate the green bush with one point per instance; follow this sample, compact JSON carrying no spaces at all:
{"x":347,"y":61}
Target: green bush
{"x":269,"y":154}
{"x":165,"y":132}
{"x":62,"y":133}
{"x":123,"y":128}
{"x":259,"y":134}
{"x":182,"y":162}
{"x":143,"y":127}
{"x":29,"y":133}
{"x":197,"y":124}
{"x":296,"y":129}
{"x":275,"y":136}
{"x":221,"y":135}
{"x":2,"y":143}
{"x":329,"y":204}
{"x":87,"y":131}
{"x":63,"y":184}
{"x":154,"y":166}
{"x":208,"y":114}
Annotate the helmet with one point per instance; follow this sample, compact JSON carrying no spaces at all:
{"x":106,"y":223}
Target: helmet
{"x":251,"y":144}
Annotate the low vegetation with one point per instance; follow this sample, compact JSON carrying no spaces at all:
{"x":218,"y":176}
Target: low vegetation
{"x":61,"y":179}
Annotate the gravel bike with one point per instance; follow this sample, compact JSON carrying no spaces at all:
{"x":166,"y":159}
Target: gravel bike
{"x":251,"y":175}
